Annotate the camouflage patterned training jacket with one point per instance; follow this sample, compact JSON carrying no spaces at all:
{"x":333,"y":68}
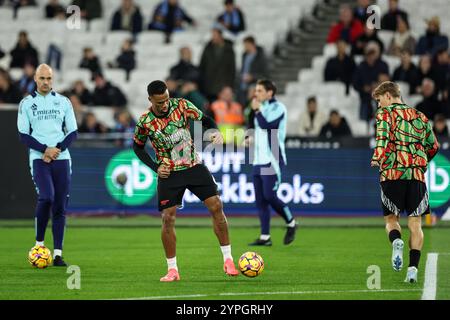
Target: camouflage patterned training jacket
{"x":405,"y":143}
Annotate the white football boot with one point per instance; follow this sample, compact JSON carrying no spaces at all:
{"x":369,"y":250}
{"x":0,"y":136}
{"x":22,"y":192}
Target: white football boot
{"x":411,"y":275}
{"x":397,"y":254}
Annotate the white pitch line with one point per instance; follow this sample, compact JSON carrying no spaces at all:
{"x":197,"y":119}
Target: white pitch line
{"x":429,"y":287}
{"x":269,"y":293}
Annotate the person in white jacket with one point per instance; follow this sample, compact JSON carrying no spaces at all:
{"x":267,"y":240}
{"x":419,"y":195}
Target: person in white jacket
{"x":311,"y":120}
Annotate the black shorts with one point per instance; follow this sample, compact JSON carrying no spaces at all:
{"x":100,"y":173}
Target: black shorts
{"x":404,"y":195}
{"x":197,"y":179}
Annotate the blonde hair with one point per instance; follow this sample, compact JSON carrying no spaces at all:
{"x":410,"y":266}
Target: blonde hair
{"x":387,"y":87}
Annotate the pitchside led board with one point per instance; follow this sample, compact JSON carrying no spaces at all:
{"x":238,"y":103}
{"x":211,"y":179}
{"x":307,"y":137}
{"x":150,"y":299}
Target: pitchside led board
{"x":316,"y":182}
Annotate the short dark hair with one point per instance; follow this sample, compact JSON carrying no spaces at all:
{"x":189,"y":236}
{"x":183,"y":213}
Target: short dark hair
{"x":228,"y":2}
{"x":312,"y":99}
{"x":268,"y":85}
{"x":250,"y":39}
{"x":334,"y":112}
{"x":156,"y":87}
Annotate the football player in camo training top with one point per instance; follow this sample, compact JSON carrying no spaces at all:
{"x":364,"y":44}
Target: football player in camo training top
{"x":405,"y":144}
{"x":166,"y":125}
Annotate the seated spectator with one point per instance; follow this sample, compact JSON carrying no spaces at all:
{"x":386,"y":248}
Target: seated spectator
{"x":311,"y":120}
{"x":441,"y":70}
{"x":389,"y":20}
{"x":254,"y":66}
{"x":54,"y":56}
{"x":336,"y":127}
{"x":90,"y":124}
{"x":360,"y":11}
{"x":440,"y":127}
{"x":217,"y":65}
{"x":232,"y":19}
{"x":185,"y":70}
{"x":128,"y":17}
{"x":106,"y":94}
{"x":9,"y":92}
{"x":126,"y":60}
{"x":362,"y":41}
{"x":228,"y":114}
{"x":124,"y":124}
{"x":78,"y":108}
{"x":425,"y":71}
{"x":54,"y":9}
{"x":83,"y":94}
{"x":169,"y":17}
{"x":348,"y":28}
{"x":341,"y":67}
{"x":26,"y":83}
{"x":430,"y":105}
{"x":407,"y":72}
{"x":402,"y":39}
{"x":90,"y":61}
{"x":90,"y":9}
{"x":24,"y":52}
{"x":366,"y":78}
{"x":17,"y":4}
{"x":433,"y":40}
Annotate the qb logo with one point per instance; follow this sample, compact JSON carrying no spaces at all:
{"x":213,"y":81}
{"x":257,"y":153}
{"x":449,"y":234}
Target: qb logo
{"x":438,"y":181}
{"x":128,"y":180}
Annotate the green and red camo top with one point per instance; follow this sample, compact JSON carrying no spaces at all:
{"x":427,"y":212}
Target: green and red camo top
{"x":169,"y":135}
{"x":405,"y":143}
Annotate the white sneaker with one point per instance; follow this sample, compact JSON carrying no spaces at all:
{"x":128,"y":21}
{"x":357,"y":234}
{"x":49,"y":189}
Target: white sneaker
{"x":411,"y":275}
{"x":397,"y":254}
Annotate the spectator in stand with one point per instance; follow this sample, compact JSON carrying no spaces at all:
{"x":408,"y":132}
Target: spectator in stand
{"x":366,"y":78}
{"x":83,"y":94}
{"x":336,"y":127}
{"x":26,"y":83}
{"x":232,"y":19}
{"x":254,"y":66}
{"x":311,"y":120}
{"x":430,"y":105}
{"x":90,"y":9}
{"x":440,"y":127}
{"x":17,"y":4}
{"x":126,"y":60}
{"x":341,"y":67}
{"x":228,"y":114}
{"x":106,"y":94}
{"x":217,"y":65}
{"x":54,"y":9}
{"x":9,"y":92}
{"x":407,"y":72}
{"x":389,"y":20}
{"x":348,"y":28}
{"x":189,"y":91}
{"x":425,"y":71}
{"x":360,"y":11}
{"x":24,"y":52}
{"x":432,"y":41}
{"x":90,"y":61}
{"x":90,"y":124}
{"x":126,"y":125}
{"x":402,"y":39}
{"x":169,"y":17}
{"x":2,"y":53}
{"x":441,"y":70}
{"x":128,"y":18}
{"x":362,"y":41}
{"x":185,"y":70}
{"x":78,"y":108}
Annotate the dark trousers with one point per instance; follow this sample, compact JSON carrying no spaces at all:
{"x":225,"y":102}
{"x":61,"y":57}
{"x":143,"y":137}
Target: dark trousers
{"x":52,"y":182}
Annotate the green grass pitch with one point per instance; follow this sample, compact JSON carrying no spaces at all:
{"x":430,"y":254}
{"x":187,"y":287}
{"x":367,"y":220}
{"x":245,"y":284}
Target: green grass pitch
{"x":123,"y":259}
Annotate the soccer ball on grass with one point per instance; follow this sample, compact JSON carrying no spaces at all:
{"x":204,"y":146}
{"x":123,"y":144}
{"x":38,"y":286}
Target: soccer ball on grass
{"x":40,"y":257}
{"x":251,"y":264}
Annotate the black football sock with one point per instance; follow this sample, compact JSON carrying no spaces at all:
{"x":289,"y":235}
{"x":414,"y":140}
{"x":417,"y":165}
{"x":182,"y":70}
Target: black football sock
{"x":394,"y":234}
{"x":414,"y":258}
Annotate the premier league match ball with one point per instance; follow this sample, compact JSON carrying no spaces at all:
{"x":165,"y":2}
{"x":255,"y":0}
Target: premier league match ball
{"x":251,"y":264}
{"x":40,"y":257}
